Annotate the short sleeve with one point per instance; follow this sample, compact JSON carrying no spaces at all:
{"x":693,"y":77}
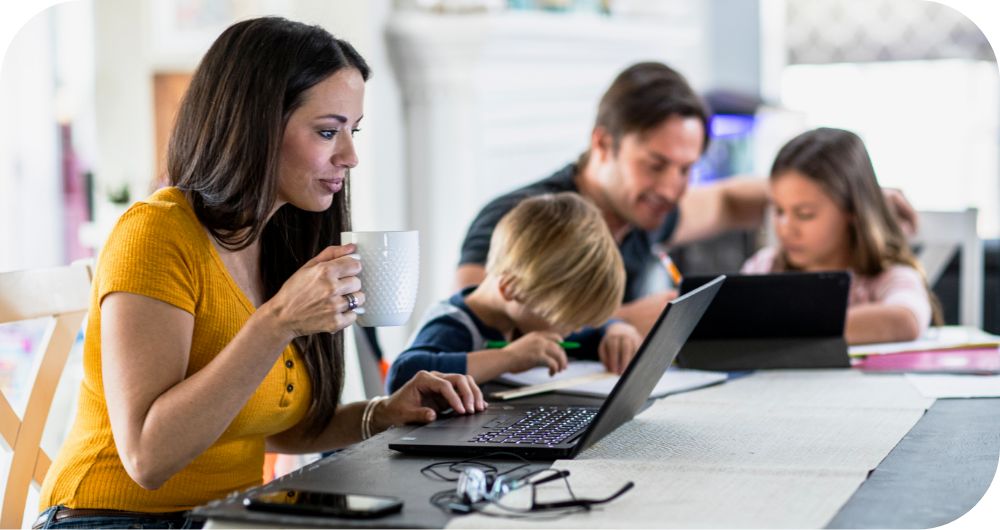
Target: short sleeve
{"x":904,"y":286}
{"x":150,"y":253}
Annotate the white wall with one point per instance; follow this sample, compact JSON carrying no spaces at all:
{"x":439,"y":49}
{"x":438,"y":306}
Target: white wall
{"x":31,"y":233}
{"x":123,"y":101}
{"x":734,"y":40}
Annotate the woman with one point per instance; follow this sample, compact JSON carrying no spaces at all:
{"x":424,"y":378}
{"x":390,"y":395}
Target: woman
{"x":830,"y":214}
{"x":213,"y":331}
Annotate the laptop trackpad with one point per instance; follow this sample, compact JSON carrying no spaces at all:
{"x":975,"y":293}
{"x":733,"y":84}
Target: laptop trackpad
{"x":483,"y":419}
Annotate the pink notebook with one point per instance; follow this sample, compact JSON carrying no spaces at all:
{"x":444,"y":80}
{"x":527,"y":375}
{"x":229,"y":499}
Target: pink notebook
{"x":970,"y":361}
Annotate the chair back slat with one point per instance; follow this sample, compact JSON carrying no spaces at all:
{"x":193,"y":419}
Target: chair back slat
{"x":941,"y":235}
{"x":61,"y":293}
{"x":43,"y":292}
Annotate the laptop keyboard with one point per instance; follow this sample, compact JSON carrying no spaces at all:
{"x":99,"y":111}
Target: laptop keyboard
{"x":544,"y":425}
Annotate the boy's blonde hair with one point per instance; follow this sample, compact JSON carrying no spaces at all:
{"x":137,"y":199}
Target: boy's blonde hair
{"x":560,"y":259}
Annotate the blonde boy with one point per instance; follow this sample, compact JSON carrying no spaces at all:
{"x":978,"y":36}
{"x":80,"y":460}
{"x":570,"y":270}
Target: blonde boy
{"x":553,"y":271}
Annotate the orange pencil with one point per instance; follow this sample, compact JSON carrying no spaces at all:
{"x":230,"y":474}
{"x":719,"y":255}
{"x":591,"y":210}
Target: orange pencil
{"x":672,"y":270}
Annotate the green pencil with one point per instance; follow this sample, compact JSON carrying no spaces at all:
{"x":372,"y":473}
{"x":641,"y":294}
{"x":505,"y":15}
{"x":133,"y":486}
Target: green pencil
{"x":567,"y":345}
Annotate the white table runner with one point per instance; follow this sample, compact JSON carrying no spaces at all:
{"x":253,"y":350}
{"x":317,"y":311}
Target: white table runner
{"x":775,"y":449}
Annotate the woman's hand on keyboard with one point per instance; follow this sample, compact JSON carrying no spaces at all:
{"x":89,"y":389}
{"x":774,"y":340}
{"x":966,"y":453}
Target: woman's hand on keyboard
{"x":421,"y":398}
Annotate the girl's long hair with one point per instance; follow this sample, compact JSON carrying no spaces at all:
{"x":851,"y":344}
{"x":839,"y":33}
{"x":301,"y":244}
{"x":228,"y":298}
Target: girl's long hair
{"x":838,"y":162}
{"x":224,"y":154}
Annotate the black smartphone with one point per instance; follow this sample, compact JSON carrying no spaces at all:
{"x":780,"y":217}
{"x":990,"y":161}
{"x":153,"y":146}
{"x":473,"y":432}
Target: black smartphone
{"x":321,"y":503}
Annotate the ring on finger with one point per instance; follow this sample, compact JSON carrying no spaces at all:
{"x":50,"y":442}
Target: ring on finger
{"x":352,"y":302}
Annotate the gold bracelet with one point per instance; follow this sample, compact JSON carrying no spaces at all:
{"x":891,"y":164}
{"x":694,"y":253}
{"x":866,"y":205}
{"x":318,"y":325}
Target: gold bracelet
{"x":368,"y":416}
{"x":364,"y":420}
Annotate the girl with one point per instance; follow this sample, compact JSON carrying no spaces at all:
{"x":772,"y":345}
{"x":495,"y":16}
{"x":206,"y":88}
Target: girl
{"x":830,"y":214}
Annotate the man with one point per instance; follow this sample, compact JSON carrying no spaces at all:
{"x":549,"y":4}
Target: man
{"x":651,"y":128}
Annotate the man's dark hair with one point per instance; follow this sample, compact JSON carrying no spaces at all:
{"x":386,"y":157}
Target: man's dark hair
{"x":643,"y":96}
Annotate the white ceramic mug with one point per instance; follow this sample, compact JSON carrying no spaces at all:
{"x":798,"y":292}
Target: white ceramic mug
{"x":390,"y":272}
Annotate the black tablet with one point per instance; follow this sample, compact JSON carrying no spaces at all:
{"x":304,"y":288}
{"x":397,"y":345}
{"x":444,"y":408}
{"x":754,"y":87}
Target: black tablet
{"x":784,"y":320}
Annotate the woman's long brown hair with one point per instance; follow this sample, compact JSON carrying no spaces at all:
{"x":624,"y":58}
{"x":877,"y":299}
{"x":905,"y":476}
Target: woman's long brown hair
{"x":224,"y":154}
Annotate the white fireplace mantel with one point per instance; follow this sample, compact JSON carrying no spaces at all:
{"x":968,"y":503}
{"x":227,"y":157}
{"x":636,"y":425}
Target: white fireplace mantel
{"x":494,"y":101}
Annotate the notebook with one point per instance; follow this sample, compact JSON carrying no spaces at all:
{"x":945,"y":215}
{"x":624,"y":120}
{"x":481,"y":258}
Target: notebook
{"x":673,"y":381}
{"x":936,"y":338}
{"x":985,"y":360}
{"x":550,"y":432}
{"x":785,"y":320}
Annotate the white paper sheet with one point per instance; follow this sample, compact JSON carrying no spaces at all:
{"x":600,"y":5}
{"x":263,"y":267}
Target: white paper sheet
{"x":935,"y":338}
{"x":673,"y":381}
{"x":849,"y":389}
{"x":956,"y":386}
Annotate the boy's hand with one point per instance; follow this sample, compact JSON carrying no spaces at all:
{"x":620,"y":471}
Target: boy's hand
{"x":536,"y":349}
{"x":618,"y":346}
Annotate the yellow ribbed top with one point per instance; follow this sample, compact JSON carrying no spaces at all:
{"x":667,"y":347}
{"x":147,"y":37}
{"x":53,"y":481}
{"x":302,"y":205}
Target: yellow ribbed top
{"x":160,"y":250}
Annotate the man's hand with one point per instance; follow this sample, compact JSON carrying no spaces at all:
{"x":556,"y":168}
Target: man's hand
{"x":901,"y":208}
{"x":642,"y":313}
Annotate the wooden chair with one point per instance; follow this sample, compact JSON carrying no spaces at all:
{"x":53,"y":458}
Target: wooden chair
{"x":63,"y":294}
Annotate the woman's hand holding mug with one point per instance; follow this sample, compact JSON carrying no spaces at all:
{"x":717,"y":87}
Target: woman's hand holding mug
{"x":320,"y":295}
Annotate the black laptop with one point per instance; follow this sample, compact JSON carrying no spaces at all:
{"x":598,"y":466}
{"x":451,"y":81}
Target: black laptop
{"x":785,"y":320}
{"x":550,"y":432}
